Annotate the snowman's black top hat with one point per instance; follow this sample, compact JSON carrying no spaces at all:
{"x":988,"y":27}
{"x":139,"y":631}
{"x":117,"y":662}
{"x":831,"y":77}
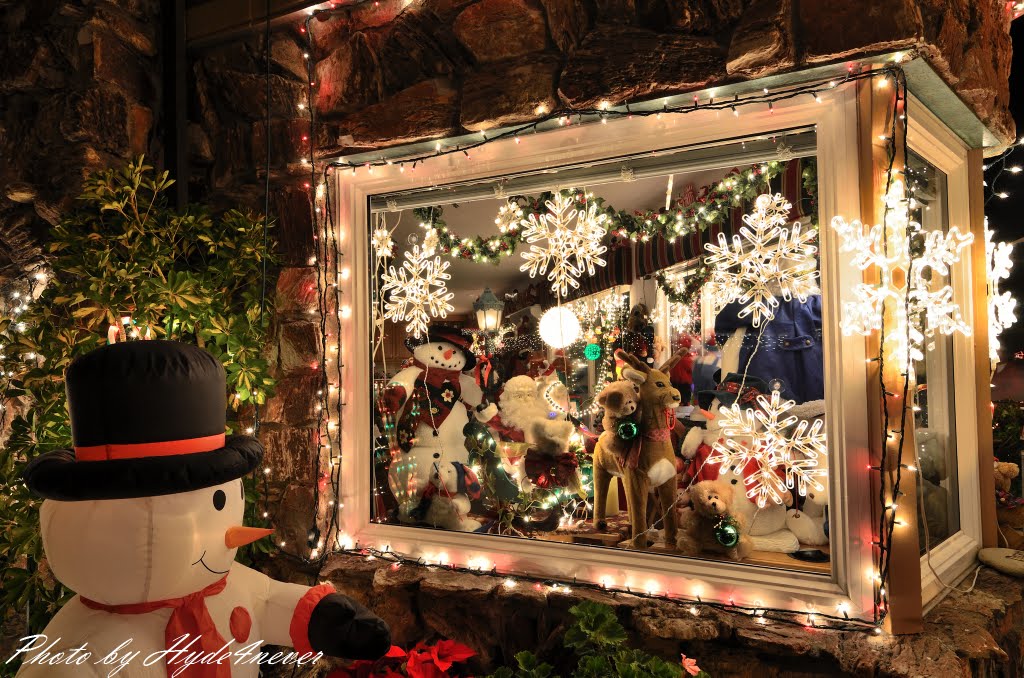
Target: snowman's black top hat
{"x":147,"y":418}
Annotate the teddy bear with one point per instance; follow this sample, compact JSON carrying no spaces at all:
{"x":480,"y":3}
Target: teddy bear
{"x":711,"y":526}
{"x":446,"y":501}
{"x":932,"y":468}
{"x":620,"y":400}
{"x":766,"y":526}
{"x":810,"y":522}
{"x":1009,"y":509}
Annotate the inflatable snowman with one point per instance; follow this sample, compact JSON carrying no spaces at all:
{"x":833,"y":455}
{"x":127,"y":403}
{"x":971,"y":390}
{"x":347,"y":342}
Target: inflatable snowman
{"x":430,"y":401}
{"x":142,"y":519}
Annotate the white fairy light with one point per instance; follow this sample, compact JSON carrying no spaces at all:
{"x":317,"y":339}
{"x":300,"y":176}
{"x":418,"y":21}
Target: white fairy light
{"x":417,"y":292}
{"x":768,"y":257}
{"x":569,"y":251}
{"x":1000,"y":305}
{"x":922,"y":310}
{"x":800,"y":453}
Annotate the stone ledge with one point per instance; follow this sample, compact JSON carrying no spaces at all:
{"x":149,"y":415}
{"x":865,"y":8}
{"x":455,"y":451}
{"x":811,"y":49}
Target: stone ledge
{"x":966,"y":634}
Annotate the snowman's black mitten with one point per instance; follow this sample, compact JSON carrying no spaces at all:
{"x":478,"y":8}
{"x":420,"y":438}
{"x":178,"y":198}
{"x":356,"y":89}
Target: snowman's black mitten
{"x":341,"y":627}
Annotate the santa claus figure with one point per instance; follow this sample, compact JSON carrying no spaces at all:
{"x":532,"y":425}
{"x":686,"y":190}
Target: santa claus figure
{"x":429,"y":402}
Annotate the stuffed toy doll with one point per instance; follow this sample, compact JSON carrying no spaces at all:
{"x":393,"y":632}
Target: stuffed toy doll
{"x":446,"y":502}
{"x":430,"y":402}
{"x":142,"y":519}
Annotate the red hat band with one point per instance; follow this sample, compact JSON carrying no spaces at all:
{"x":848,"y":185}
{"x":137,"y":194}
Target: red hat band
{"x":165,"y":448}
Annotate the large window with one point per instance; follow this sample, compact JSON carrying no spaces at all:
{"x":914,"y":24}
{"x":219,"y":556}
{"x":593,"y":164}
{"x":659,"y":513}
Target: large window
{"x":622,"y":355}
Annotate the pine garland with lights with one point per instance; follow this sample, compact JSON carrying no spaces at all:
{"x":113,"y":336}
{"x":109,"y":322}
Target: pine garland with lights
{"x":122,"y":263}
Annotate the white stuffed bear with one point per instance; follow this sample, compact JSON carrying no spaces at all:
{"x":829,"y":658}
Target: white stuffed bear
{"x":765,"y":526}
{"x":446,"y":501}
{"x":429,"y":402}
{"x":808,"y":523}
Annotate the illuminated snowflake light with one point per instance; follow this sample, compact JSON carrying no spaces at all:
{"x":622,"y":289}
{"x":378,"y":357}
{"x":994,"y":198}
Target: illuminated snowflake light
{"x":383,"y":245}
{"x":782,"y":461}
{"x":766,"y":260}
{"x":928,"y":306}
{"x":417,"y":292}
{"x":569,"y":250}
{"x":1001,"y":306}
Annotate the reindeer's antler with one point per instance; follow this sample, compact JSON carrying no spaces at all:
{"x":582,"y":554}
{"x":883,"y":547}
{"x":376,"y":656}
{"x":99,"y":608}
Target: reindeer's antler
{"x":632,"y":361}
{"x":672,"y":360}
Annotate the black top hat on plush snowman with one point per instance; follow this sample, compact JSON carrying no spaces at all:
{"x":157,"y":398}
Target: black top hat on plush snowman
{"x":147,"y":419}
{"x":461,"y":339}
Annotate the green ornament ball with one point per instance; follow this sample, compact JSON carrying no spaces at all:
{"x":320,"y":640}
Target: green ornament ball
{"x":592,"y":351}
{"x":628,"y":430}
{"x":727,"y":533}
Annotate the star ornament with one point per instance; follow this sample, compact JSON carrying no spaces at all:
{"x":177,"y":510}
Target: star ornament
{"x":763,"y":260}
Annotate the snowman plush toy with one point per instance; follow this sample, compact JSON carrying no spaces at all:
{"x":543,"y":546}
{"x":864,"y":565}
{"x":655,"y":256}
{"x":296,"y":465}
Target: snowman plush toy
{"x":142,"y":519}
{"x":430,"y":401}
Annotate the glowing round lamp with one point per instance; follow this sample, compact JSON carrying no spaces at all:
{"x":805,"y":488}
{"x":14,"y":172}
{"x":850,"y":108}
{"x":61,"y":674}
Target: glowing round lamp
{"x":559,"y":327}
{"x":592,"y":351}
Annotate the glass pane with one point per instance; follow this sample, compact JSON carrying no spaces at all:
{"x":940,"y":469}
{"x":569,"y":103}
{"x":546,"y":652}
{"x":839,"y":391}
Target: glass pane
{"x":539,"y":429}
{"x":934,"y":412}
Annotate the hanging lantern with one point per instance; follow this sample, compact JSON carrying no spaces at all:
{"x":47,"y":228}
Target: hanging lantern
{"x":489,"y":309}
{"x":559,"y":327}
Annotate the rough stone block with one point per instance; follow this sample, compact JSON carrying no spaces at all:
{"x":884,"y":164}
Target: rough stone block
{"x":298,"y":347}
{"x":494,"y":30}
{"x":509,"y":93}
{"x":99,"y":117}
{"x":117,"y":64}
{"x":296,"y":292}
{"x":294,"y":228}
{"x":294,"y":517}
{"x":293,"y":401}
{"x":140,"y":124}
{"x":619,"y":64}
{"x":245,"y":94}
{"x":763,"y":40}
{"x":290,"y":453}
{"x":568,"y":22}
{"x":425,"y":110}
{"x":831,"y":31}
{"x":349,"y":77}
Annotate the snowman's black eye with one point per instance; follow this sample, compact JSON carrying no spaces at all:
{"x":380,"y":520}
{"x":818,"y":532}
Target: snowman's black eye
{"x":219,"y":499}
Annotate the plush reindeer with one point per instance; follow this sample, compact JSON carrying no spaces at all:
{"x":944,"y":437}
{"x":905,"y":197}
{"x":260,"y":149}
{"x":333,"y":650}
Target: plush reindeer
{"x":651,"y":468}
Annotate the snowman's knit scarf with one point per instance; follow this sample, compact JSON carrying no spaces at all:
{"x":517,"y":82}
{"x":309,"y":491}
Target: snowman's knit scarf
{"x":190,"y":617}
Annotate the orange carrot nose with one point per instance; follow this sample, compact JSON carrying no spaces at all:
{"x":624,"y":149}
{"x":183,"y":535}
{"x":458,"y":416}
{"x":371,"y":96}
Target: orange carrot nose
{"x":240,"y":536}
{"x":448,"y":354}
{"x":707,"y":415}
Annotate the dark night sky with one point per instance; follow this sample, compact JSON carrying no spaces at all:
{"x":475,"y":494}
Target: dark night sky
{"x":1006,"y":217}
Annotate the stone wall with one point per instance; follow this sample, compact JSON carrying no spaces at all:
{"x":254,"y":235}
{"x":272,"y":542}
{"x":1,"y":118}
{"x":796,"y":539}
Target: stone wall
{"x":967,"y":634}
{"x":80,"y":90}
{"x":394,"y":72}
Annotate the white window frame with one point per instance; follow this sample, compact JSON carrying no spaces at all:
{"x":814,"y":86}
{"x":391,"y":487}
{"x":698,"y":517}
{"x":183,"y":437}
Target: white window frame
{"x":929,"y":138}
{"x":835,"y":120}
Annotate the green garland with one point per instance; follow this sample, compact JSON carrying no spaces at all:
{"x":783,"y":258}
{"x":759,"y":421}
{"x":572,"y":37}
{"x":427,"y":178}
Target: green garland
{"x":691,"y":287}
{"x":710,"y":207}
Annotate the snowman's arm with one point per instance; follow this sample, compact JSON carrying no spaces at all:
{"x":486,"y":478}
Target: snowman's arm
{"x":471,"y":393}
{"x":314,"y":619}
{"x":399,"y":389}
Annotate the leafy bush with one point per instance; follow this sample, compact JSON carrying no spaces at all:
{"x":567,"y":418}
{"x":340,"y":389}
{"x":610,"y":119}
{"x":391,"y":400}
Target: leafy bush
{"x":122,"y":253}
{"x":598,"y":640}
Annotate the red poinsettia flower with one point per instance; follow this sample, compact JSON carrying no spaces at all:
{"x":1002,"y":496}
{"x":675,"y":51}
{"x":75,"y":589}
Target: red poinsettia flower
{"x":427,"y":661}
{"x":373,"y":668}
{"x":448,"y":652}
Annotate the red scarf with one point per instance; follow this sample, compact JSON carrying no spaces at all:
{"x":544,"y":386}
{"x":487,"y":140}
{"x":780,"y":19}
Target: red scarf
{"x":435,"y":376}
{"x":190,"y":616}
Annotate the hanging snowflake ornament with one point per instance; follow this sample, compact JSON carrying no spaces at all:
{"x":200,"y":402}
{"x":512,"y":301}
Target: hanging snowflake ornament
{"x":774,"y":455}
{"x":764,"y":260}
{"x":383,"y":245}
{"x":1000,"y":305}
{"x":430,"y":242}
{"x":928,"y":306}
{"x":417,"y":292}
{"x":570,"y":249}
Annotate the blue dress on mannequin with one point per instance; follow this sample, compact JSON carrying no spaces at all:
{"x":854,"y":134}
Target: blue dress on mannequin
{"x":790,"y":346}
